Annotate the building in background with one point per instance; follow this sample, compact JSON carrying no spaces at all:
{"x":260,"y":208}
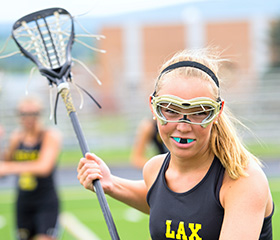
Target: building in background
{"x":137,"y":43}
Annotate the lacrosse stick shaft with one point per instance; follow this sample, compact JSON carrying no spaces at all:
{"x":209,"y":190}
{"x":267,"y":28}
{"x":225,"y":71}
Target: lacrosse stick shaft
{"x":65,"y":94}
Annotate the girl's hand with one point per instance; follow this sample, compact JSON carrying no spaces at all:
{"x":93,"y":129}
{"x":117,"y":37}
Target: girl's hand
{"x":91,"y":168}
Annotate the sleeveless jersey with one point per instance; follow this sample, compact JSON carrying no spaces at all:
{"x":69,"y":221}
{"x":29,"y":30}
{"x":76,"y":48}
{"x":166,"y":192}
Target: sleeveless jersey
{"x":195,"y":214}
{"x":33,"y":189}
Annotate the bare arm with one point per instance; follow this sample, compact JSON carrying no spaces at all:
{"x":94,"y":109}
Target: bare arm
{"x":130,"y":192}
{"x":13,"y":144}
{"x":48,"y":155}
{"x":246,"y":201}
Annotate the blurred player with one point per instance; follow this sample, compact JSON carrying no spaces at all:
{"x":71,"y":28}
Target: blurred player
{"x":147,"y":135}
{"x":32,"y":155}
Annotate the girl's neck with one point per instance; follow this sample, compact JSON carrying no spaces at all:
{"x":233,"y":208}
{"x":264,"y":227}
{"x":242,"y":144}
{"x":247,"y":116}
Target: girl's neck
{"x":200,"y":161}
{"x":32,"y":133}
{"x":183,"y":175}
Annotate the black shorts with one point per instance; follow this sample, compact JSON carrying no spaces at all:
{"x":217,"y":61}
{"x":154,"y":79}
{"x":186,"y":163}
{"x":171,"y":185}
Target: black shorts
{"x":37,"y":219}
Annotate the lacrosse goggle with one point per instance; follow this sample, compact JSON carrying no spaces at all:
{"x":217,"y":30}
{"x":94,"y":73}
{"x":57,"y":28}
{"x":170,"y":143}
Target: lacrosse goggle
{"x":198,"y":111}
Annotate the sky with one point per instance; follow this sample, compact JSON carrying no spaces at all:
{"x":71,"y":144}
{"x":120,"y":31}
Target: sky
{"x":12,"y":10}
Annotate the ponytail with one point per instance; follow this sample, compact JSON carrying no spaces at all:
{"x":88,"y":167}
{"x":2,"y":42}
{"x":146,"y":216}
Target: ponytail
{"x":228,"y":147}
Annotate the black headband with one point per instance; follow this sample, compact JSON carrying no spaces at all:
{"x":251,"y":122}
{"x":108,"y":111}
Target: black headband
{"x":194,"y":65}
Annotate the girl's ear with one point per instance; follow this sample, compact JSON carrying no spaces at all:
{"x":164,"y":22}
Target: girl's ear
{"x":150,"y":104}
{"x":222,"y":108}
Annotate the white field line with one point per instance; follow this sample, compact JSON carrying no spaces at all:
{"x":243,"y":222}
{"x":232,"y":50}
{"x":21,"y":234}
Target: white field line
{"x":76,"y":228}
{"x":2,"y":221}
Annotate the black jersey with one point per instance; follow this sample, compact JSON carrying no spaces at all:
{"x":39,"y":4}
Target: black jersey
{"x":33,"y":189}
{"x":195,"y":214}
{"x":37,"y":206}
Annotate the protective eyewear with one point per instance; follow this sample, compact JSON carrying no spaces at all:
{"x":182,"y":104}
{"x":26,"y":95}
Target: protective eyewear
{"x":199,"y":111}
{"x":28,"y":114}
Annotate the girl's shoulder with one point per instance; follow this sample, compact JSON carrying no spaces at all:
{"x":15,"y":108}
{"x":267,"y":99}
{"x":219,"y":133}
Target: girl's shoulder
{"x":152,"y":168}
{"x":16,"y":136}
{"x":250,"y":186}
{"x":51,"y":133}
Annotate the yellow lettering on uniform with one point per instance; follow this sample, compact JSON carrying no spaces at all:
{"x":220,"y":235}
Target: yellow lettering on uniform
{"x":168,"y":232}
{"x":194,"y":228}
{"x":21,"y":155}
{"x":27,"y":182}
{"x":33,"y":155}
{"x":181,"y":232}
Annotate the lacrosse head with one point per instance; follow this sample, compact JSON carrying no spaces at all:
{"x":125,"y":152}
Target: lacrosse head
{"x":198,"y":111}
{"x":46,"y":38}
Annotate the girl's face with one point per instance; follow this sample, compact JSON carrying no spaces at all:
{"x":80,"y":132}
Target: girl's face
{"x":29,"y":115}
{"x":185,"y":140}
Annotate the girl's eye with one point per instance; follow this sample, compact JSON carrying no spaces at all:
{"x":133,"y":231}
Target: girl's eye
{"x":170,"y":111}
{"x":201,"y":114}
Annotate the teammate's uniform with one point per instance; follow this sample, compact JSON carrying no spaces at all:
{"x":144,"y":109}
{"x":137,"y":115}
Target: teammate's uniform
{"x":195,"y":214}
{"x":156,"y":139}
{"x":37,"y":204}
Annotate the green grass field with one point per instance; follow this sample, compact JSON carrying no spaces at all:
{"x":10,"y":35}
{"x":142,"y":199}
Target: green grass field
{"x":84,"y":205}
{"x":130,"y":223}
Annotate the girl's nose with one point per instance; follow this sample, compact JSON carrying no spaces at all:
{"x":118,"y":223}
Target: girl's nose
{"x":184,"y":127}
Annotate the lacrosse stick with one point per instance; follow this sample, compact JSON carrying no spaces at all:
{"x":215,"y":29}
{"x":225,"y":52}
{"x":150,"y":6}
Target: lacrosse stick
{"x":46,"y":38}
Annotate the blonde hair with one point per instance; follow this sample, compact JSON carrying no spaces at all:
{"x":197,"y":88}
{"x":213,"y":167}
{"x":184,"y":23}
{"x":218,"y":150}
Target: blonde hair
{"x":224,"y":140}
{"x":33,"y":100}
{"x":207,"y":57}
